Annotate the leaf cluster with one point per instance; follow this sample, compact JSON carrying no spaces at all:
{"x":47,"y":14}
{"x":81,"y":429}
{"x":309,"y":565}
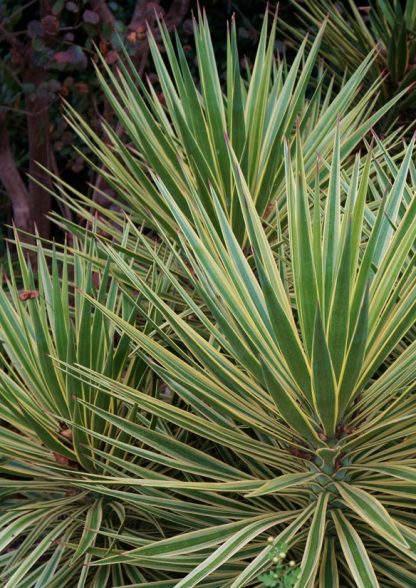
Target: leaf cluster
{"x":232,"y":356}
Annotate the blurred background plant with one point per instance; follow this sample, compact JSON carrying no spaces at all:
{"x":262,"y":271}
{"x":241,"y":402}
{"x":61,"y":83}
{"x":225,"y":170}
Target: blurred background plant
{"x":354,"y":29}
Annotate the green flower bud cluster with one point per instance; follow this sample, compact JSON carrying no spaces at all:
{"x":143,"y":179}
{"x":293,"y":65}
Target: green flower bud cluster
{"x":282,"y":573}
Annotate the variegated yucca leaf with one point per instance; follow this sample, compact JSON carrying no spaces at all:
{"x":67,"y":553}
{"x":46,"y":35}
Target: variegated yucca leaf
{"x":388,"y":26}
{"x":49,"y":525}
{"x":293,"y":402}
{"x":184,"y":140}
{"x":244,"y":370}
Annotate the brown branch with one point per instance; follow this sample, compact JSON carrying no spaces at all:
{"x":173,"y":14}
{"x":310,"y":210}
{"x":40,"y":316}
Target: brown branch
{"x":12,"y":181}
{"x":11,"y":38}
{"x":105,"y":14}
{"x":39,"y":147}
{"x":31,"y":203}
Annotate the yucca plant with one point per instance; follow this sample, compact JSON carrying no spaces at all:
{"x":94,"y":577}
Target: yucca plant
{"x":48,"y":524}
{"x":389,"y":26}
{"x":228,"y":399}
{"x":184,"y":140}
{"x":295,"y":408}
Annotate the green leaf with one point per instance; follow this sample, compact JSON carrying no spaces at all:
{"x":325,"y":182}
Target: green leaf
{"x":324,"y":387}
{"x":354,"y":551}
{"x":313,"y":548}
{"x":226,"y":551}
{"x":91,"y":529}
{"x":372,"y":512}
{"x":329,"y":574}
{"x":287,"y":404}
{"x":282,"y":482}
